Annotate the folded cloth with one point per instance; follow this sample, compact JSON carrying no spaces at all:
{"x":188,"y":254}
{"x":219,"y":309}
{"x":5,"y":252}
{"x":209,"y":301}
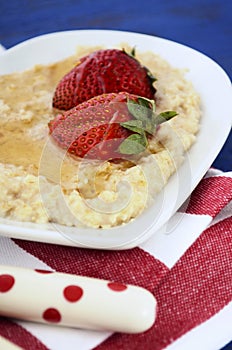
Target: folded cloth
{"x":187,"y":266}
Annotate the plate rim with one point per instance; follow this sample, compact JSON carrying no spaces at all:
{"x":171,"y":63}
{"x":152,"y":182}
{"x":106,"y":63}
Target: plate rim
{"x":212,"y":154}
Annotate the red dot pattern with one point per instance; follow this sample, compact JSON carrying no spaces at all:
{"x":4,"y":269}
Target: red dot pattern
{"x":117,"y":287}
{"x":43,"y":271}
{"x":73,"y":293}
{"x":6,"y":283}
{"x":52,"y":315}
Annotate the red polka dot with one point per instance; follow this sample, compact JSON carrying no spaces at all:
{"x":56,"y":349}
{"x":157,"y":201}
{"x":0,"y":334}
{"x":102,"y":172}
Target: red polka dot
{"x":73,"y":293}
{"x":6,"y":283}
{"x":117,"y":287}
{"x":43,"y":271}
{"x":52,"y":315}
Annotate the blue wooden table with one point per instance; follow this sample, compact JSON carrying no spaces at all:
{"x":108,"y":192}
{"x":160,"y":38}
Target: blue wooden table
{"x":205,"y":25}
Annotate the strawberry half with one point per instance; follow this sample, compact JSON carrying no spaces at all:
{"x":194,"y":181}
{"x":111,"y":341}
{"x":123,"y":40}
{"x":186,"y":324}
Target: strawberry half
{"x":107,"y":126}
{"x":103,"y":71}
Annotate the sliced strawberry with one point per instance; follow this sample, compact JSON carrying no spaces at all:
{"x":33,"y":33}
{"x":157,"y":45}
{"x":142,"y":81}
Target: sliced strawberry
{"x":107,"y":126}
{"x":103,"y":71}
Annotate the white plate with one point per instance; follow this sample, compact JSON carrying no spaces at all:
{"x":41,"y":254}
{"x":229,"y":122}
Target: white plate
{"x":209,"y":80}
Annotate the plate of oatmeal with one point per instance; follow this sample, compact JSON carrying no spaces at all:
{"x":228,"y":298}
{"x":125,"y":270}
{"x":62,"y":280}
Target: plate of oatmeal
{"x":105,"y":136}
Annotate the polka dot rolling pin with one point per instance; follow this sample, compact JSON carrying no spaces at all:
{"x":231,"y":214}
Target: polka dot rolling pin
{"x":75,"y":301}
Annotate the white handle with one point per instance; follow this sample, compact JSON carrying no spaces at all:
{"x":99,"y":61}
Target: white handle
{"x":76,"y":301}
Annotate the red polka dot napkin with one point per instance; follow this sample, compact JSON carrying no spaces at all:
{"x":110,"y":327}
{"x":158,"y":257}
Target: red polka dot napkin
{"x":187,"y":266}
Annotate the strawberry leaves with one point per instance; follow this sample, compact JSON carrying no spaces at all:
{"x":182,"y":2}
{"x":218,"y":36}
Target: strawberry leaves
{"x":132,"y":54}
{"x":134,"y":144}
{"x":164,"y":117}
{"x":146,"y":121}
{"x":140,"y":109}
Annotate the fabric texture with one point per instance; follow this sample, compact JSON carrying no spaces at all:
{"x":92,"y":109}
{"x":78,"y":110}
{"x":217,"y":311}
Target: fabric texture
{"x":191,"y":293}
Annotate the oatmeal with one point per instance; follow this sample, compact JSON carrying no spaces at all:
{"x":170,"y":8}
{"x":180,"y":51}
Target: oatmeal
{"x":40,"y":183}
